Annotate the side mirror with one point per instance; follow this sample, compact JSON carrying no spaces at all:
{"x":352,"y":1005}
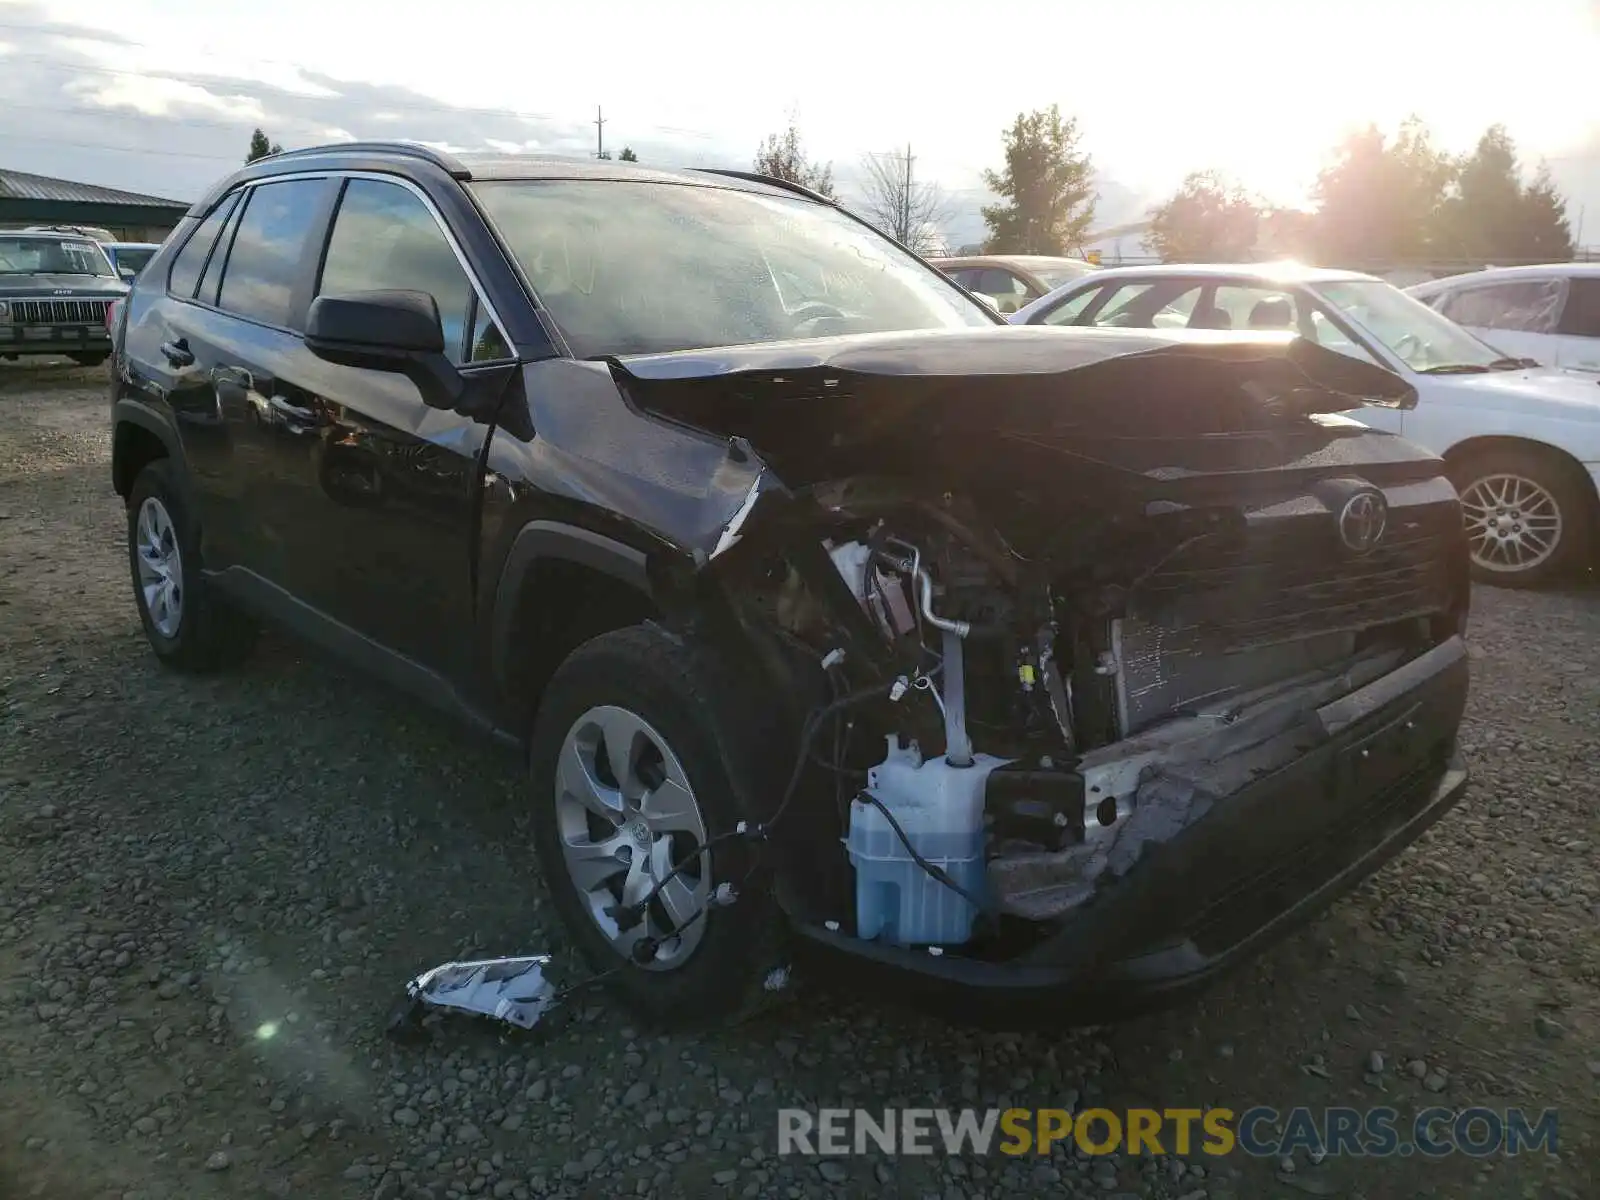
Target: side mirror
{"x":387,"y":331}
{"x":383,"y":330}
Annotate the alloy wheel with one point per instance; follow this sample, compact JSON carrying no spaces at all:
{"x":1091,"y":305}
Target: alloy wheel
{"x":1513,"y":523}
{"x":626,"y":815}
{"x":160,"y":566}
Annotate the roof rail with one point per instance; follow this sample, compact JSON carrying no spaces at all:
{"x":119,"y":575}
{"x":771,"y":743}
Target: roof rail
{"x":445,"y":162}
{"x":787,"y":185}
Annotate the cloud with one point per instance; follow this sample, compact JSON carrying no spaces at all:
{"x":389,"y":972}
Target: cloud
{"x":84,"y":104}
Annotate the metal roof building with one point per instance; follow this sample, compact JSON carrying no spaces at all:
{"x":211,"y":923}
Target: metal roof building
{"x":27,"y":199}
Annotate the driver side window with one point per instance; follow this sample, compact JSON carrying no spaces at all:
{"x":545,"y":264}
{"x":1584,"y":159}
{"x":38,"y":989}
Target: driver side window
{"x":385,"y":238}
{"x":1069,"y":310}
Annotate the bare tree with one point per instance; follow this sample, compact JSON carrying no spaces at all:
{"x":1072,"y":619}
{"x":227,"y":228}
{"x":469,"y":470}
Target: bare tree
{"x":893,"y":199}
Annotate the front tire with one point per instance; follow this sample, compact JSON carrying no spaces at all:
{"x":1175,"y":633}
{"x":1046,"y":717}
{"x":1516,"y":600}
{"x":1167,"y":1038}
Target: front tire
{"x":630,"y":777}
{"x":88,"y":360}
{"x":187,"y":624}
{"x":1527,"y":516}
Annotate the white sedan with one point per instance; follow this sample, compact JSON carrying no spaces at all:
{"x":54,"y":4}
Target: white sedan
{"x":1551,"y":313}
{"x":1522,"y":441}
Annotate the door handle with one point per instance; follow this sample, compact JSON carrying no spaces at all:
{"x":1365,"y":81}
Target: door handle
{"x":178,"y":353}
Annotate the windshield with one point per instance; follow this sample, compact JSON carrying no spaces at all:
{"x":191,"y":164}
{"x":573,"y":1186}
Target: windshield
{"x":51,"y":256}
{"x":640,"y":267}
{"x":131,"y":259}
{"x":1410,"y":330}
{"x":1055,"y":276}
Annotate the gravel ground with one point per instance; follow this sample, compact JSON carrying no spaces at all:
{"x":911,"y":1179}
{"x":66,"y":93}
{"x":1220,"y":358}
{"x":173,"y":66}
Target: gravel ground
{"x":211,"y":891}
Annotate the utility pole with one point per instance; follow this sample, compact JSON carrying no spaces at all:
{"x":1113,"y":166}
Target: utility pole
{"x":599,"y":133}
{"x":905,"y":202}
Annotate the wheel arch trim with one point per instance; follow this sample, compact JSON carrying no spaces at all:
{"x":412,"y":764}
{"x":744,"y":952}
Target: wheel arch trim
{"x":545,"y":539}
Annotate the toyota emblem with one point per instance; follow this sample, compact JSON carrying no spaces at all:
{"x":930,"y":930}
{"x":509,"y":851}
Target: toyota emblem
{"x":1362,"y":521}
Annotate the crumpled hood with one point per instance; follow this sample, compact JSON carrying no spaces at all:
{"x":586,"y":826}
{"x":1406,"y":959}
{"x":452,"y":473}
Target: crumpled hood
{"x":1006,"y":403}
{"x":69,"y":287}
{"x":1547,"y":391}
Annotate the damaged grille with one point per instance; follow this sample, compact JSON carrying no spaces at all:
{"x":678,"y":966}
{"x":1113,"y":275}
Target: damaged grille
{"x":1219,"y":619}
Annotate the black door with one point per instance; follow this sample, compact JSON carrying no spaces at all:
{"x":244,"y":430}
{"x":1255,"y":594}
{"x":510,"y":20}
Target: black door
{"x":366,"y":502}
{"x":217,"y":350}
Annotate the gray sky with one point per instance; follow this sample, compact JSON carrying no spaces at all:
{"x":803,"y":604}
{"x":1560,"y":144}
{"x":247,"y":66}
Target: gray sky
{"x":161,"y":95}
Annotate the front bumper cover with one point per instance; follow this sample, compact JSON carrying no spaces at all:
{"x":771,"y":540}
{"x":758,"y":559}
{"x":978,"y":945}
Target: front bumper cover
{"x":1259,"y":864}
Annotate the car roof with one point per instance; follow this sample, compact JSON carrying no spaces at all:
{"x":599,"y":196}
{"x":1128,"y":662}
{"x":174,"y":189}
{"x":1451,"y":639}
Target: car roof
{"x":1585,"y":270}
{"x":1024,"y":261}
{"x":49,"y":235}
{"x":1275,"y":272}
{"x":347,"y":156}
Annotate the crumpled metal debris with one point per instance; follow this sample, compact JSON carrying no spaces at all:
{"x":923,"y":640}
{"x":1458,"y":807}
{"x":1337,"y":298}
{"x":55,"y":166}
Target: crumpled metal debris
{"x":514,"y":990}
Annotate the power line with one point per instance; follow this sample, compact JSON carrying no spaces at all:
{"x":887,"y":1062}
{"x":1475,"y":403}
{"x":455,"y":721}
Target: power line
{"x":22,"y":137}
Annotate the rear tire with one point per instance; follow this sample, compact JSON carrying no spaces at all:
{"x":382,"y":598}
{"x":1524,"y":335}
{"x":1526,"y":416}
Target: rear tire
{"x":1528,"y":515}
{"x":188,"y":625}
{"x":88,"y":360}
{"x":657,"y":691}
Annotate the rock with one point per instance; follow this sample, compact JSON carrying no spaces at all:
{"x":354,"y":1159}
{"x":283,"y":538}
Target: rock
{"x":219,"y":1161}
{"x":1309,"y":1184}
{"x":1417,"y":1069}
{"x":388,"y":1187}
{"x":1375,"y":1062}
{"x":1394,"y":977}
{"x":512,"y":1123}
{"x":406,"y":1117}
{"x":169,"y":990}
{"x":1547,"y":1028}
{"x":356,"y":1172}
{"x":1434,"y":1082}
{"x":637,"y":1093}
{"x":724,"y":1178}
{"x":831,"y":1171}
{"x":537,"y":1090}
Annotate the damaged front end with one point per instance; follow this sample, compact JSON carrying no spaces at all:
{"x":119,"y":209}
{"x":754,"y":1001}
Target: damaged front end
{"x":1140,"y":622}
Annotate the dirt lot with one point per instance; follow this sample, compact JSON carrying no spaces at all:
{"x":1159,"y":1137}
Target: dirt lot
{"x":211,"y":891}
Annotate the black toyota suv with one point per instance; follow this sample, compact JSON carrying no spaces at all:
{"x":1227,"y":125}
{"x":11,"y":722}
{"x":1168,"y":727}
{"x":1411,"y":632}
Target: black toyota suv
{"x":824,"y":608}
{"x":55,"y":288}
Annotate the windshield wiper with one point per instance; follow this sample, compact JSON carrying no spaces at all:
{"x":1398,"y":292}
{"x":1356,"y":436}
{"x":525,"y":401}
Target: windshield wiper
{"x":1455,"y":369}
{"x":1512,"y":364}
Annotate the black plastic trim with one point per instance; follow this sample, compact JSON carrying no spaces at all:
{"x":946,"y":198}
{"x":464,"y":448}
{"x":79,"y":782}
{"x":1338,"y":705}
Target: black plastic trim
{"x":554,"y":539}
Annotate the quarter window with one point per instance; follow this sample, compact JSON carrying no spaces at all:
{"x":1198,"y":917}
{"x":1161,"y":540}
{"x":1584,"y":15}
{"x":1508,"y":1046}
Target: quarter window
{"x":269,"y":248}
{"x":1581,"y":317}
{"x":386,"y":239}
{"x":191,"y":260}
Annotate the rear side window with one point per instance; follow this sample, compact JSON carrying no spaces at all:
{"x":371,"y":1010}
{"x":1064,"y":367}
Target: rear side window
{"x":269,"y":249}
{"x":191,"y":259}
{"x":1581,"y":318}
{"x":1525,"y":306}
{"x":384,"y":238}
{"x":212,"y":279}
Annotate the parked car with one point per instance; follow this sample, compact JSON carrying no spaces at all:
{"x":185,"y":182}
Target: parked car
{"x":129,"y":258}
{"x":1008,"y":281}
{"x":54,"y":292}
{"x":1521,"y":442}
{"x":1549,"y":313}
{"x":822,"y":607}
{"x":93,"y":232}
